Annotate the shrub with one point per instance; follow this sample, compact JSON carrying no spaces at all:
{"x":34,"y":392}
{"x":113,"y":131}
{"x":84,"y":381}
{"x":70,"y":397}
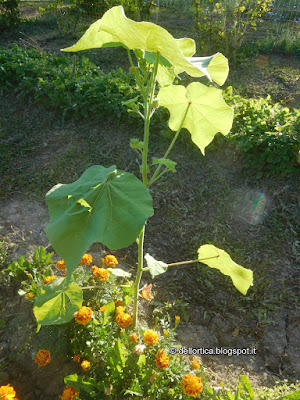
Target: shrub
{"x":9,"y":14}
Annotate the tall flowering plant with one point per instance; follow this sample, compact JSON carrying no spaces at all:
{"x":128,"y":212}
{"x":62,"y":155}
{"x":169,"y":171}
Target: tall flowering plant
{"x":111,"y":206}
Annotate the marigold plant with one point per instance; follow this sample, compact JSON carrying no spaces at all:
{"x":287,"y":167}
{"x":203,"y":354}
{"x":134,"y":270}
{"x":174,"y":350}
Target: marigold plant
{"x":7,"y":393}
{"x":123,"y":320}
{"x":150,"y":337}
{"x":110,"y":261}
{"x":43,"y":357}
{"x":87,"y":259}
{"x":49,"y":279}
{"x":84,"y":315}
{"x":195,"y":365}
{"x":61,"y":265}
{"x":161,"y":359}
{"x":191,"y":385}
{"x":100,"y":273}
{"x":85,"y":365}
{"x":69,"y":393}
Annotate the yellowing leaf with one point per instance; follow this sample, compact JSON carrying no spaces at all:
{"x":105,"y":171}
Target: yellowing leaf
{"x":115,"y":29}
{"x":241,"y":277}
{"x":208,"y":113}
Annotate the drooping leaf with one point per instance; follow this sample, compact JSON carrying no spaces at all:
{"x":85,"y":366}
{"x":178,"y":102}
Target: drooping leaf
{"x":155,"y":267}
{"x":115,"y":29}
{"x":119,"y":272}
{"x":104,"y":205}
{"x":207,"y":114}
{"x":210,"y":255}
{"x":57,"y":302}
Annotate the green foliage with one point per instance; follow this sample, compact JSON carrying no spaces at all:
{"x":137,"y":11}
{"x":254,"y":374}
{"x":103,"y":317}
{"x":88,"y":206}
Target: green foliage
{"x":48,"y":79}
{"x":267,"y":135}
{"x":223,"y":23}
{"x":9,"y":14}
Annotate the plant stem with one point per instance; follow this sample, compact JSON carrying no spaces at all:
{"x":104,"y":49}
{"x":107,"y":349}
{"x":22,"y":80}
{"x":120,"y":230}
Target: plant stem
{"x":153,"y":179}
{"x":191,"y":261}
{"x":138,"y":277}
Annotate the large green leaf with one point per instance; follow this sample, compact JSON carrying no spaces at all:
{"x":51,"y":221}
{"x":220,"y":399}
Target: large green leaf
{"x":104,"y":205}
{"x":208,"y":113}
{"x":80,"y":383}
{"x":57,"y":302}
{"x":292,"y":396}
{"x":115,"y":29}
{"x":210,"y":255}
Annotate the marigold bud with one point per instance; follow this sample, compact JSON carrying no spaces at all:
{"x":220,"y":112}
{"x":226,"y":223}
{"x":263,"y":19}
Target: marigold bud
{"x":85,"y":365}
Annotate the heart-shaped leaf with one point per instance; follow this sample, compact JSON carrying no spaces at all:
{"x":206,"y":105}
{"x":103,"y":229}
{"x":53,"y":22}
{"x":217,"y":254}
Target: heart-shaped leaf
{"x":115,"y":29}
{"x":104,"y":205}
{"x":210,"y":255}
{"x":57,"y":303}
{"x":207,"y":114}
{"x":155,"y":267}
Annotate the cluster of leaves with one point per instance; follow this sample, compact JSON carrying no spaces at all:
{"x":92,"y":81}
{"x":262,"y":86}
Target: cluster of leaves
{"x":266,"y":134}
{"x":9,"y":14}
{"x":79,"y":92}
{"x":224,"y":23}
{"x":31,"y":274}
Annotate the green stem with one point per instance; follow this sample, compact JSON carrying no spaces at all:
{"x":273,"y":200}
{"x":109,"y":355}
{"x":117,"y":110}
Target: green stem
{"x":153,"y":179}
{"x":191,"y":261}
{"x":138,"y":277}
{"x":148,"y":109}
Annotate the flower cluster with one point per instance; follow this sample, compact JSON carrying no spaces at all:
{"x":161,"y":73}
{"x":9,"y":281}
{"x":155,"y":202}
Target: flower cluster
{"x":61,"y":265}
{"x":100,"y":273}
{"x":161,"y":359}
{"x":123,"y":320}
{"x":110,"y":261}
{"x":84,"y":315}
{"x":43,"y":357}
{"x":69,"y":393}
{"x":191,"y":385}
{"x":87,"y":259}
{"x":7,"y":393}
{"x":150,"y":337}
{"x":49,"y":279}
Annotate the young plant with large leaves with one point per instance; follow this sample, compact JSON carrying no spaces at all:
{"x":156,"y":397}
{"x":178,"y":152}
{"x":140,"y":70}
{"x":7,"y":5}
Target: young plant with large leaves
{"x":111,"y":206}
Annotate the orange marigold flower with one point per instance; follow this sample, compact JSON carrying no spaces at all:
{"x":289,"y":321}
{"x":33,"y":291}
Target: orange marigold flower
{"x":195,"y":364}
{"x":87,"y":259}
{"x":84,"y":315}
{"x":49,"y":279}
{"x":133,"y":338}
{"x":119,"y":303}
{"x":61,"y":265}
{"x":123,"y":320}
{"x":85,"y":365}
{"x":69,"y":393}
{"x":76,"y":358}
{"x":102,"y":309}
{"x":100,"y":273}
{"x":161,"y":359}
{"x":7,"y":392}
{"x":191,"y":385}
{"x":29,"y":295}
{"x":43,"y":357}
{"x":119,"y":310}
{"x":150,"y":337}
{"x":110,"y":261}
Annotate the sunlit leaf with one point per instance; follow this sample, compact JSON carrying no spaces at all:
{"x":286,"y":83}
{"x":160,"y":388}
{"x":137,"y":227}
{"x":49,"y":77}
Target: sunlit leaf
{"x":210,"y":255}
{"x":119,"y":272}
{"x":104,"y":205}
{"x":155,"y":267}
{"x":115,"y":29}
{"x":57,"y":302}
{"x":208,"y":113}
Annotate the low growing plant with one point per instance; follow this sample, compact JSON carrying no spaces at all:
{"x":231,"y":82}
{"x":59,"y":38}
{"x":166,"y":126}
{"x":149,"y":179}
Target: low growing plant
{"x":112,"y":207}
